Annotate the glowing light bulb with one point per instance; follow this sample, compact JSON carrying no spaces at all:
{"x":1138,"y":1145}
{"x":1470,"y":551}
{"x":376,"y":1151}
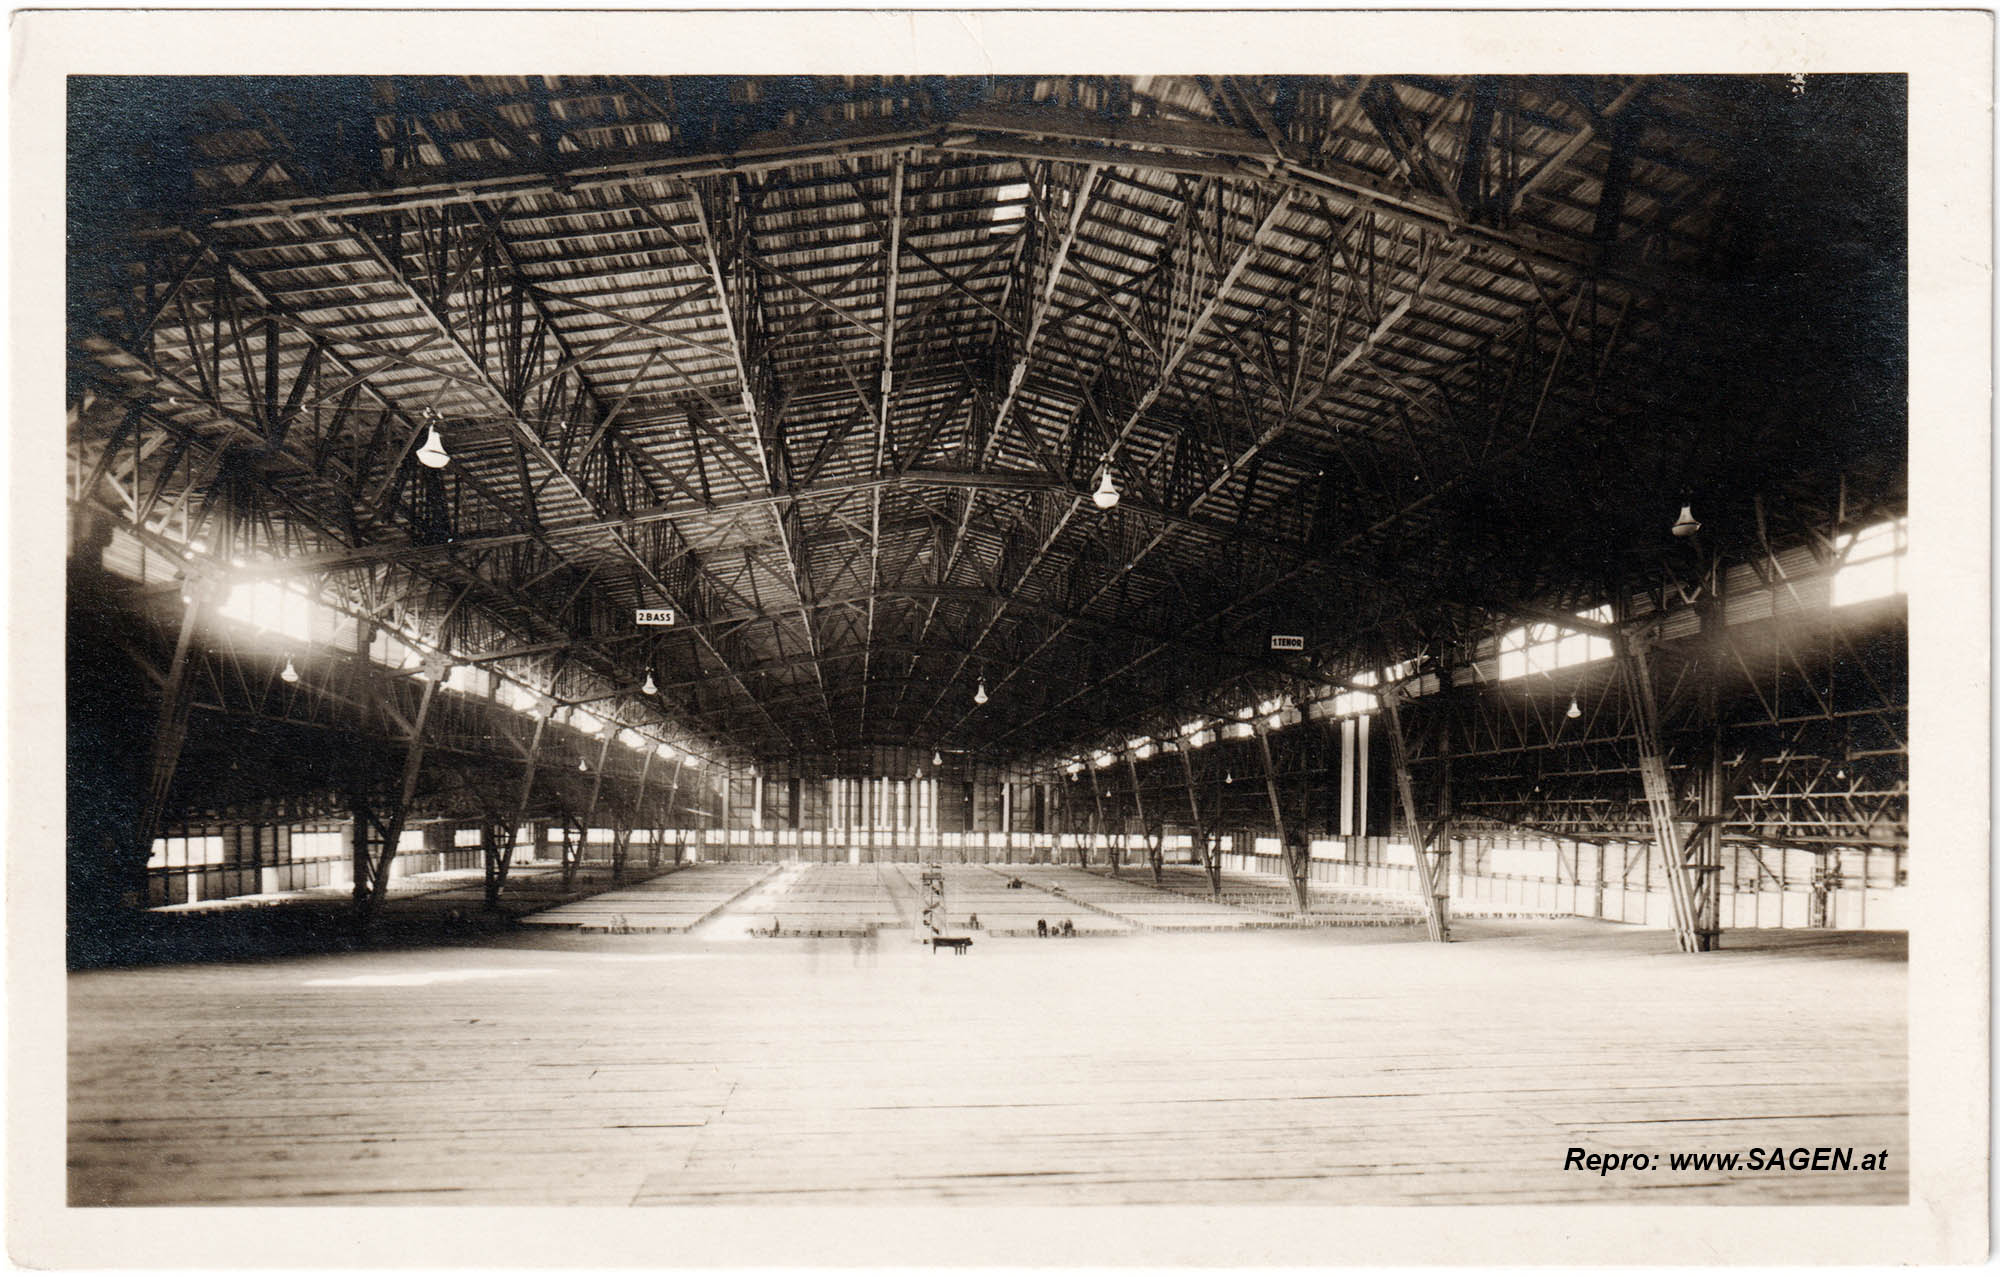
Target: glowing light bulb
{"x":1106,"y":495}
{"x":1229,"y":778}
{"x":291,"y":672}
{"x":582,"y":766}
{"x":1574,"y":711}
{"x":432,"y":453}
{"x":651,"y":688}
{"x":937,"y":758}
{"x":979,"y":697}
{"x":1687,"y":525}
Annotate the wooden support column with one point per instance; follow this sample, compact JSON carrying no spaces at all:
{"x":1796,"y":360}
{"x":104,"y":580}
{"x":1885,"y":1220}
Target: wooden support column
{"x":362,"y":811}
{"x":392,"y":829}
{"x":170,"y":732}
{"x":500,"y":855}
{"x":1429,"y":881}
{"x":621,"y":838}
{"x":572,"y":849}
{"x":1208,"y":842}
{"x":1096,"y":797}
{"x":1153,"y":836}
{"x":1653,"y":776}
{"x":1294,"y":853}
{"x":1704,"y":854}
{"x":674,"y":805}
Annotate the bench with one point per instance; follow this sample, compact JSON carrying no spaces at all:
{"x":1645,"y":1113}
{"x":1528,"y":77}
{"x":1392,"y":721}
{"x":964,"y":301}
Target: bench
{"x":959,"y":943}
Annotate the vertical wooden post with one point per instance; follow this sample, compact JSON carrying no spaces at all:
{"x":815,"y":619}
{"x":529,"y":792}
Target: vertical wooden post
{"x":1705,"y":855}
{"x":1211,"y":854}
{"x":392,"y":829}
{"x":1295,"y":864}
{"x":176,"y":703}
{"x":1420,"y":836}
{"x":1096,"y":797}
{"x":500,"y":857}
{"x":1658,"y":787}
{"x":622,"y":837}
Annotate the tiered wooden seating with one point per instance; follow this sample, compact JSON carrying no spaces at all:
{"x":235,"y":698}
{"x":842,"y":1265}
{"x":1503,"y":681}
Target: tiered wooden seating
{"x":670,"y":903}
{"x":1133,"y":899}
{"x":1333,"y":904}
{"x":834,"y":900}
{"x":1005,"y":911}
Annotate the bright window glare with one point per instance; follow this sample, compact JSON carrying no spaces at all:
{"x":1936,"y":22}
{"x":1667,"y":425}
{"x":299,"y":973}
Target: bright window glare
{"x":1873,"y":567}
{"x":1350,"y":703}
{"x":319,"y":845}
{"x":179,"y":853}
{"x":1545,"y":646}
{"x":470,"y":679}
{"x":586,"y":723}
{"x":272,"y":605}
{"x":519,"y":697}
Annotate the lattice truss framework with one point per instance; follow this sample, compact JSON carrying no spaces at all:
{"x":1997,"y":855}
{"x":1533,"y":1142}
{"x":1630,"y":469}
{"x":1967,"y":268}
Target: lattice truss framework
{"x":832,"y":366}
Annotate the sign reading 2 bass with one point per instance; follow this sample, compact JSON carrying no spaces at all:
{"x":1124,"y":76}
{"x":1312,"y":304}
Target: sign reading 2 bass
{"x":654,"y":616}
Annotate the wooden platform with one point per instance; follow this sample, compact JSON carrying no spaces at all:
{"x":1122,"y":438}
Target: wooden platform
{"x":1326,"y":1066}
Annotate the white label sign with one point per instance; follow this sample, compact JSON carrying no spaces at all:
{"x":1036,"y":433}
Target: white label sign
{"x":1288,"y":642}
{"x":655,"y":616}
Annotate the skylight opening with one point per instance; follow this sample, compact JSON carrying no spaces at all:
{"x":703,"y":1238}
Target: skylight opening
{"x":1012,"y":203}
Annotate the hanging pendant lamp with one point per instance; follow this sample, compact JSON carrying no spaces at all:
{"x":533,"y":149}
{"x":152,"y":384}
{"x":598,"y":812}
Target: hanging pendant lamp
{"x":432,"y":453}
{"x":1106,"y":495}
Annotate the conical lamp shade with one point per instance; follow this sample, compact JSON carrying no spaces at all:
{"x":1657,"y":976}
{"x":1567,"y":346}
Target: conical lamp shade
{"x":651,"y":687}
{"x":1687,"y":525}
{"x":979,"y":697}
{"x":1106,"y":495}
{"x":432,"y":453}
{"x":290,"y":673}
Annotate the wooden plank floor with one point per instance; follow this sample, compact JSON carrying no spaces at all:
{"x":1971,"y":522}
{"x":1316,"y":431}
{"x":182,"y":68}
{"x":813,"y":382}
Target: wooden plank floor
{"x":1355,"y":1066}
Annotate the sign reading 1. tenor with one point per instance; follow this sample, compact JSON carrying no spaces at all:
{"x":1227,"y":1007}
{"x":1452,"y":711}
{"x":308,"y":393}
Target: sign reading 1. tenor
{"x":1288,"y":642}
{"x":654,"y":616}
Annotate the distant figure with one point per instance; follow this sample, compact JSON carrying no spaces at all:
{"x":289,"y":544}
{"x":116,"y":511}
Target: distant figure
{"x":1042,"y":927}
{"x":1068,"y":928}
{"x":774,"y":926}
{"x":972,"y":923}
{"x":1014,"y":884}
